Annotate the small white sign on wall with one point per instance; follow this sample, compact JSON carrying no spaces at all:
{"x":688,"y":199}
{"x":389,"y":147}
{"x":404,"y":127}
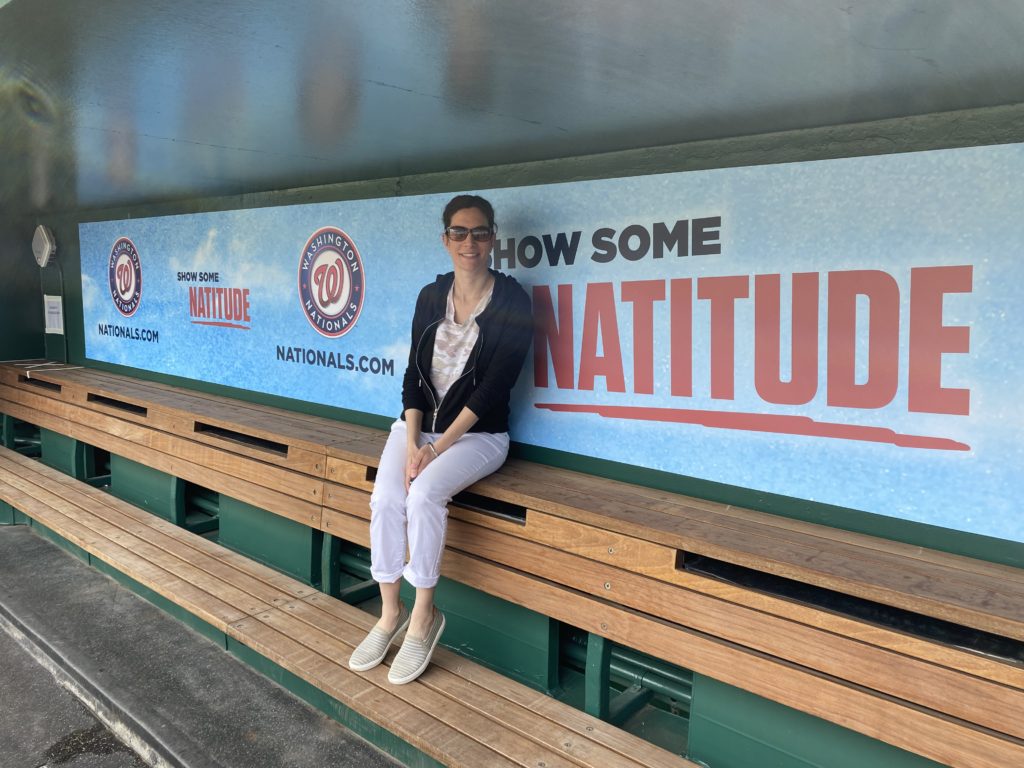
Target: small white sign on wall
{"x":54,"y":310}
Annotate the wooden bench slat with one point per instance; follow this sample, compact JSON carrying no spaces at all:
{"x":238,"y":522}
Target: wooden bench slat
{"x":647,"y":559}
{"x":931,"y":734}
{"x":335,"y":639}
{"x":177,"y":412}
{"x":355,"y":502}
{"x":581,"y":726}
{"x":978,"y":700}
{"x":56,"y":482}
{"x":187,"y":572}
{"x":348,"y":473}
{"x":685,"y":506}
{"x":166,"y":541}
{"x":180,"y":592}
{"x":300,"y":486}
{"x":311,"y":432}
{"x":363,"y":450}
{"x":506,"y":713}
{"x":357,"y":692}
{"x":265,"y":498}
{"x":180,"y":407}
{"x":990,"y":605}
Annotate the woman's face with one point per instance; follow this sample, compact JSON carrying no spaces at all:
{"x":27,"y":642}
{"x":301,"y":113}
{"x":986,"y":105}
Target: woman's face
{"x":469,"y":255}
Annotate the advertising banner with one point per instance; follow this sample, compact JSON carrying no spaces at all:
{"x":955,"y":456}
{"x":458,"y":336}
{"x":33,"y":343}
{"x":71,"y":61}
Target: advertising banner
{"x":842,"y":331}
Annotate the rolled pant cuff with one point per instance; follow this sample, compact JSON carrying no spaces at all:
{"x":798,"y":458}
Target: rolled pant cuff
{"x":420,"y":582}
{"x":385,"y":578}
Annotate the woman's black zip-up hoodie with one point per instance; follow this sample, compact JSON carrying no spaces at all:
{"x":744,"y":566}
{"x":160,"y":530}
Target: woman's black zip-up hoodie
{"x":506,"y":330}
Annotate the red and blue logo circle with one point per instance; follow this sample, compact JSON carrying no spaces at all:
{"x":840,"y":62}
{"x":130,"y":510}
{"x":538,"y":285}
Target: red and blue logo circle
{"x":331,"y":282}
{"x":124,"y":273}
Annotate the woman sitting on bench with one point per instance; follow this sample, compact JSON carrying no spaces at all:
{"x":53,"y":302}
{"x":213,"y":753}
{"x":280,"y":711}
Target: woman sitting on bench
{"x":471,"y":331}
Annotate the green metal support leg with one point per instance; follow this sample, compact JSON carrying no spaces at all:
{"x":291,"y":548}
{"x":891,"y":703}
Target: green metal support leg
{"x":154,"y":491}
{"x":346,"y":571}
{"x":599,"y":656}
{"x":330,"y":573}
{"x":284,"y":544}
{"x":63,"y":453}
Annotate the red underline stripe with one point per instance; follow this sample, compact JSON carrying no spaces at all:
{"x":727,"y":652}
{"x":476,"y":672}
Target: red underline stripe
{"x":220,"y":324}
{"x":763,"y":422}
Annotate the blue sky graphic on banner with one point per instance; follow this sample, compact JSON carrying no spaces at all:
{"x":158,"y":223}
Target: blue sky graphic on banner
{"x":843,"y":331}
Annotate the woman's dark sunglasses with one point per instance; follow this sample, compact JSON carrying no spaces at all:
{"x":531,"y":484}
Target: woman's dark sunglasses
{"x":480,"y":234}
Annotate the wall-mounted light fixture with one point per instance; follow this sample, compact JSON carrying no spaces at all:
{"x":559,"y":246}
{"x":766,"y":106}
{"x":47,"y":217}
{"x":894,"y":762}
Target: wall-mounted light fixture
{"x":43,"y":245}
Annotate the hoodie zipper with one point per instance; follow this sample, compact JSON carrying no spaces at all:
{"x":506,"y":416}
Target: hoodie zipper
{"x":430,"y":389}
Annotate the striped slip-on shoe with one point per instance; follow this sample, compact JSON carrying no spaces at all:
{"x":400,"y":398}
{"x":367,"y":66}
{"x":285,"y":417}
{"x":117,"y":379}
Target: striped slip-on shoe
{"x":371,"y":652}
{"x":414,"y":655}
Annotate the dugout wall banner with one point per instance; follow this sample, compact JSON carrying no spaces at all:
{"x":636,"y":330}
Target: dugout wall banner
{"x":843,"y":331}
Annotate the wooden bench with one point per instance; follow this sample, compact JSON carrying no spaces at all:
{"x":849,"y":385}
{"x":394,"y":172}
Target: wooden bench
{"x":267,"y":459}
{"x":457,"y":713}
{"x":199,"y":439}
{"x":893,"y":686}
{"x":614,"y":560}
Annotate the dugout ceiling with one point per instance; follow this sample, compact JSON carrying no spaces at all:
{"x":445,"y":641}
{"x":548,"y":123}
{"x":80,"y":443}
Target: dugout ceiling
{"x":112,"y":102}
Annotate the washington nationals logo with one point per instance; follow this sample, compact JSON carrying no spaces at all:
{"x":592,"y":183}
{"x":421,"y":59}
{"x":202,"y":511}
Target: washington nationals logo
{"x":124,"y":273}
{"x":331,"y":282}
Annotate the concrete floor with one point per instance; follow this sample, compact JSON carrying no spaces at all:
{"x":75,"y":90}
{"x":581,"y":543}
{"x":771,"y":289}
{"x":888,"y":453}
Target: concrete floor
{"x":42,"y":724}
{"x":180,"y":699}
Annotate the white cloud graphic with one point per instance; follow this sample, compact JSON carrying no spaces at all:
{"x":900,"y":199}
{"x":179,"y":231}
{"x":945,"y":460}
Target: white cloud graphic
{"x":241,"y":263}
{"x":399,"y":352}
{"x":90,"y":292}
{"x":203,"y":259}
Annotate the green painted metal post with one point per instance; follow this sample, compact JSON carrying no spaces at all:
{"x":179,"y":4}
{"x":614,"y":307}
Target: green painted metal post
{"x":284,"y":544}
{"x":599,"y":656}
{"x":732,"y":728}
{"x":346,"y":571}
{"x":63,"y":453}
{"x":330,"y":574}
{"x":154,"y":491}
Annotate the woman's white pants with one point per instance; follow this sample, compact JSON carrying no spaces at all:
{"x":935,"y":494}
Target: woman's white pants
{"x":419,"y":519}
